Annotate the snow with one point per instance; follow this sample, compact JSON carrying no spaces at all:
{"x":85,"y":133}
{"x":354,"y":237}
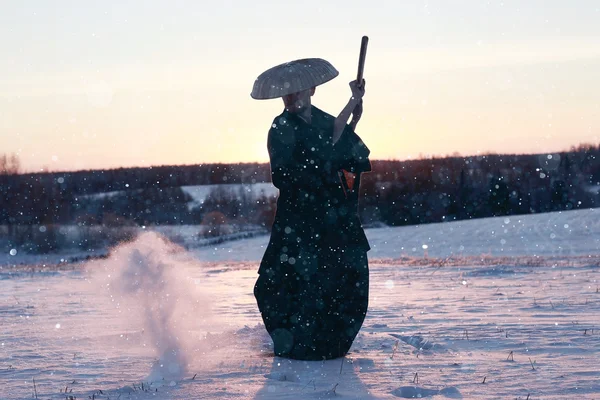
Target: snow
{"x":549,"y":234}
{"x":595,"y":189}
{"x":494,"y":319}
{"x":200,"y":192}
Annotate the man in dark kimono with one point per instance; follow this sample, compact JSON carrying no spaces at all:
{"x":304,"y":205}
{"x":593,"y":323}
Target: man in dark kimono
{"x":313,"y":283}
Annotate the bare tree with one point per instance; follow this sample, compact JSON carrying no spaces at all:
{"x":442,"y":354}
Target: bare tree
{"x":9,"y":165}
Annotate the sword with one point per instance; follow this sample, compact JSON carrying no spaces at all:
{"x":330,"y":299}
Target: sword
{"x":361,"y":59}
{"x":352,"y":194}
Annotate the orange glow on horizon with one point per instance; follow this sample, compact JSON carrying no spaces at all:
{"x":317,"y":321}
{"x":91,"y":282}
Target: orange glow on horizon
{"x":104,"y":87}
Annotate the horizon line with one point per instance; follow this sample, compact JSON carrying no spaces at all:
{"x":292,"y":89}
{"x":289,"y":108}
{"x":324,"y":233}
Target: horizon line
{"x":421,"y":156}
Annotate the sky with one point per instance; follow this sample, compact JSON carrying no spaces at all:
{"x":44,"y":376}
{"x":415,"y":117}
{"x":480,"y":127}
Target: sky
{"x":86,"y":84}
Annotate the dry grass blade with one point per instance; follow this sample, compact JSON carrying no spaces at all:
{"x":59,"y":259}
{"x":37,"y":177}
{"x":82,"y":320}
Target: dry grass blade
{"x":333,"y":389}
{"x":395,"y":349}
{"x":510,"y":357}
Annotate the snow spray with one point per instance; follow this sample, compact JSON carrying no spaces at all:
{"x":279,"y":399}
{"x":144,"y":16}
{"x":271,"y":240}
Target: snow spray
{"x":148,"y":285}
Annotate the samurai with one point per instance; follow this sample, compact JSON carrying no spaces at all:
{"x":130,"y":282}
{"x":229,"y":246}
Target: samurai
{"x":313,"y":280}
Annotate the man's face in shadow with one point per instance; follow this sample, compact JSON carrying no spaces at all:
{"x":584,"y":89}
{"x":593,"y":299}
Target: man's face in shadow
{"x":299,"y":101}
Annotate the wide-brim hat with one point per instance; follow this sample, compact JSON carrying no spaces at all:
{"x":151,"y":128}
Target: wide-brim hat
{"x":291,"y":77}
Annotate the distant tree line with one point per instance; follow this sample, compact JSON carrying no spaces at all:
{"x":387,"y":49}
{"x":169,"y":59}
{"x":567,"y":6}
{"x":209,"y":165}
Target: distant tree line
{"x":88,"y":182}
{"x":173,"y":206}
{"x":395,"y":192}
{"x":455,"y":188}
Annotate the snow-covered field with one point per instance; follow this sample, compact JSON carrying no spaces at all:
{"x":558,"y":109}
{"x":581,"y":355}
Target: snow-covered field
{"x":200,"y":192}
{"x":594,"y":189}
{"x":505,"y":308}
{"x":549,"y":234}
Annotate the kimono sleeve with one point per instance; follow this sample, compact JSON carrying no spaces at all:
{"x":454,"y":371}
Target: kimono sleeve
{"x":351,"y":153}
{"x":285,"y":154}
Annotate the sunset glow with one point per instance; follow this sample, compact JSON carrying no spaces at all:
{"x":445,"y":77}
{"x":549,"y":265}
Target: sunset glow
{"x":111,"y":84}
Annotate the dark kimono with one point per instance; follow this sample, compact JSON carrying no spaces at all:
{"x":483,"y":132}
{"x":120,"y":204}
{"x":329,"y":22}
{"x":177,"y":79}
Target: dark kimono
{"x":313,"y":283}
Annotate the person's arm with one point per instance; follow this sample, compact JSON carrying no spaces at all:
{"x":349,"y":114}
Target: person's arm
{"x":341,"y":121}
{"x":356,"y":114}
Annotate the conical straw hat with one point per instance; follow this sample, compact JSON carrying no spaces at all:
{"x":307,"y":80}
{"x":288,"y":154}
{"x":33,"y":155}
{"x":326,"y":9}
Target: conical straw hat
{"x":291,"y":77}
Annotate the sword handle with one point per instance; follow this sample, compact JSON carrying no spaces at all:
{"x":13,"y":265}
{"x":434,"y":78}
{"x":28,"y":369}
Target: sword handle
{"x":361,"y":60}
